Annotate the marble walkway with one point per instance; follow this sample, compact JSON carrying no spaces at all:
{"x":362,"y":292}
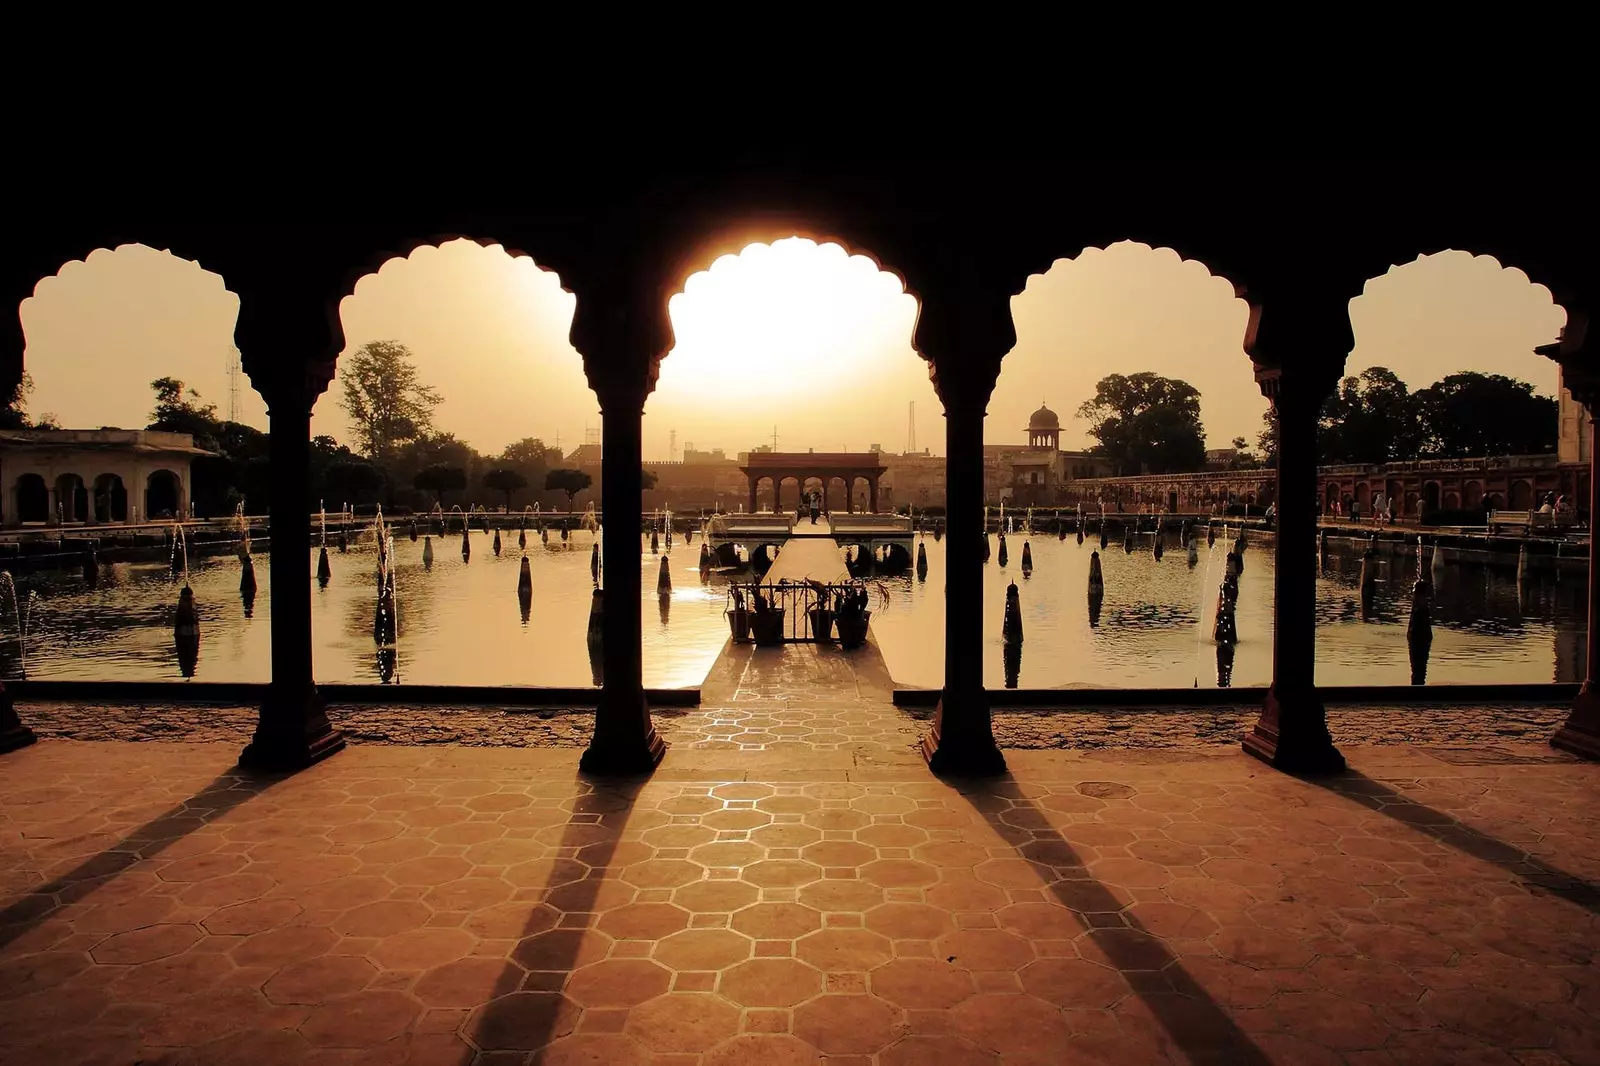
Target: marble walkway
{"x":813,"y":898}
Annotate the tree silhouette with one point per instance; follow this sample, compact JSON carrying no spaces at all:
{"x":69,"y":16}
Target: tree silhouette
{"x":1370,"y":418}
{"x":440,"y":480}
{"x":1146,"y":423}
{"x":384,"y":399}
{"x":504,"y":479}
{"x":1468,"y":414}
{"x":568,"y":481}
{"x":648,"y":479}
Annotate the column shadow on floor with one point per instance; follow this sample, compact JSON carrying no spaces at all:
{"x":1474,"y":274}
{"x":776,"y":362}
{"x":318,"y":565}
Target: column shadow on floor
{"x":1453,"y":832}
{"x":527,"y":1008}
{"x":230,"y":789}
{"x":1198,"y":1026}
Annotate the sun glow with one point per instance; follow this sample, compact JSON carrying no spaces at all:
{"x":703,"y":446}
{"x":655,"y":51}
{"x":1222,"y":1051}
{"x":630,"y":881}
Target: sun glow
{"x":785,"y":325}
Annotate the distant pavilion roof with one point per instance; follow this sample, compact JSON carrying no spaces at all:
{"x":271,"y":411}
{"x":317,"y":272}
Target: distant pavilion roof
{"x":138,"y":441}
{"x":1044,"y":418}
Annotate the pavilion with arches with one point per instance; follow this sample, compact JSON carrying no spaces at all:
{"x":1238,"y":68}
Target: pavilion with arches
{"x":963,"y":240}
{"x":95,"y":477}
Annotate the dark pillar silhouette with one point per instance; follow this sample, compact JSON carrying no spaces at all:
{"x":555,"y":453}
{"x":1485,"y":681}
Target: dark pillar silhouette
{"x":1580,"y":735}
{"x":621,"y":340}
{"x":964,"y":337}
{"x":281,"y":355}
{"x":753,"y":482}
{"x":1298,"y":357}
{"x":13,"y":734}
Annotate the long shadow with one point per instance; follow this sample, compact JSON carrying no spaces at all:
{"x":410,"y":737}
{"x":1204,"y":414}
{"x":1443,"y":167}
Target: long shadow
{"x":229,"y":790}
{"x":1196,"y":1023}
{"x":1450,"y":830}
{"x":525,"y":1013}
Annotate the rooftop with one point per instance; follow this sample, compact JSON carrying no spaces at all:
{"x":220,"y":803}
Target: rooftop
{"x":146,"y":441}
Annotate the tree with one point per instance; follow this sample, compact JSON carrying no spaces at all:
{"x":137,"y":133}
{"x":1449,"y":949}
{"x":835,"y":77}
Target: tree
{"x":648,"y":479}
{"x":1267,"y":439}
{"x":14,"y":414}
{"x":178,"y":410}
{"x":1468,"y":414}
{"x":1146,"y":423}
{"x":570,"y":482}
{"x":531,"y":458}
{"x":384,"y":399}
{"x":348,"y":479}
{"x":1370,"y":418}
{"x":440,"y":480}
{"x":504,"y":479}
{"x":1243,"y":458}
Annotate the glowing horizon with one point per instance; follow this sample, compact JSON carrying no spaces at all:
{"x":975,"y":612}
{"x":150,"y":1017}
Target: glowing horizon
{"x":800,"y":335}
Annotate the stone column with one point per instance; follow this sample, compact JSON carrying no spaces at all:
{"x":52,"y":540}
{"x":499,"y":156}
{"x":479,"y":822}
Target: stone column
{"x":622,"y":334}
{"x":1581,"y":733}
{"x":1296,"y":373}
{"x":872,"y":486}
{"x":754,"y":481}
{"x":964,"y":336}
{"x":293,"y":731}
{"x":625,"y":741}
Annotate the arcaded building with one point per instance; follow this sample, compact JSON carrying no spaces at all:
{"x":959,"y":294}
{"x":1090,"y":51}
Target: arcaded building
{"x":94,"y":476}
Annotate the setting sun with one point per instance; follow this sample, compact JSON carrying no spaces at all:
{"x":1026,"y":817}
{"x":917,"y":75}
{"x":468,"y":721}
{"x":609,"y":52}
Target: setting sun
{"x":797,"y":334}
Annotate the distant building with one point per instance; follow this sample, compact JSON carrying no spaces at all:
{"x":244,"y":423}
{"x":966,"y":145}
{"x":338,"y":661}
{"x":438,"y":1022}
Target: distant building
{"x":95,"y":476}
{"x":914,"y":479}
{"x":691,"y":455}
{"x":1037,"y":473}
{"x":1222,"y":458}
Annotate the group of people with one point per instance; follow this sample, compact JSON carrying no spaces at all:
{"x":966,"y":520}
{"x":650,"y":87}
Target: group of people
{"x":1382,"y":512}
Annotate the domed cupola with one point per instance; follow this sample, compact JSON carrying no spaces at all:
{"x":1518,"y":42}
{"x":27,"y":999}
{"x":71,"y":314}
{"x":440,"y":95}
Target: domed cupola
{"x":1044,"y":429}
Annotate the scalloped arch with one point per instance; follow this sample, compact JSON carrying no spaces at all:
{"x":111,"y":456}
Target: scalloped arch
{"x":1573,"y":326}
{"x":734,"y":240}
{"x":113,"y":249}
{"x":373,"y":264}
{"x":1184,"y":255}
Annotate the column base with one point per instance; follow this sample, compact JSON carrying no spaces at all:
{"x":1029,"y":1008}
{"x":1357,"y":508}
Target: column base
{"x":1292,"y":735}
{"x":14,"y":737}
{"x":291,"y":736}
{"x":963,"y":752}
{"x":13,"y":734}
{"x":1581,"y":733}
{"x":625,"y":743}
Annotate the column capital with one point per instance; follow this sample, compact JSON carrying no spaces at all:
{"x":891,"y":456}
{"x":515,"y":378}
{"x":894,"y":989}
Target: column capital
{"x":289,"y":337}
{"x":964,"y":333}
{"x":1298,"y":349}
{"x":622,"y":330}
{"x":1580,"y":365}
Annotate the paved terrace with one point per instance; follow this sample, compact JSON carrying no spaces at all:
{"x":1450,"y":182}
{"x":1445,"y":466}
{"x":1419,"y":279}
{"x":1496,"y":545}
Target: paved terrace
{"x":792,"y":887}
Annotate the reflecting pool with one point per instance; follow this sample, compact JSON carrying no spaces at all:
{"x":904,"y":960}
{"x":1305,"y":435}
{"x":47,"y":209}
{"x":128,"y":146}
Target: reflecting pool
{"x":461,"y":623}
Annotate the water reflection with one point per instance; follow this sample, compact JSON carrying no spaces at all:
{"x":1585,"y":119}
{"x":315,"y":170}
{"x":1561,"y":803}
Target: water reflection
{"x":1152,"y":624}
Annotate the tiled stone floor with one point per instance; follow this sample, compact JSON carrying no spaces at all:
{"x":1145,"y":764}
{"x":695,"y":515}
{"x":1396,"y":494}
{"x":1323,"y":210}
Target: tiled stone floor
{"x":796,"y":904}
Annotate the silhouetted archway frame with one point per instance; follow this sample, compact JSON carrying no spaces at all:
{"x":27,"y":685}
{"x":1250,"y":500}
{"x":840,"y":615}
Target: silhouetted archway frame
{"x":1302,"y":238}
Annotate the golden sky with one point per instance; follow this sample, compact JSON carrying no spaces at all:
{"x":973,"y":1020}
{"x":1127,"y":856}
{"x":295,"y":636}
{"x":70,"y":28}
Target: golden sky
{"x":801,"y":337}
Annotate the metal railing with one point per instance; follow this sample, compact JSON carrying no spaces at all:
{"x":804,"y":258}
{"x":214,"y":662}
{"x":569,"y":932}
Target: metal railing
{"x":795,"y":599}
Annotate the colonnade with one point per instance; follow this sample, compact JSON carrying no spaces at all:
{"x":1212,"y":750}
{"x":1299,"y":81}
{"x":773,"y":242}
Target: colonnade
{"x":627,"y":257}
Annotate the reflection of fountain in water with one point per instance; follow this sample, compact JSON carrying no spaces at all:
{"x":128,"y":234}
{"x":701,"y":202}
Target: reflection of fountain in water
{"x":1200,"y":624}
{"x":386,"y":618}
{"x":324,"y":571}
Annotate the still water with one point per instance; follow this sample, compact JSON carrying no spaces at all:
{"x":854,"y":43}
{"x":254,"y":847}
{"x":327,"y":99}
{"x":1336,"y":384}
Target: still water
{"x":460,"y":622}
